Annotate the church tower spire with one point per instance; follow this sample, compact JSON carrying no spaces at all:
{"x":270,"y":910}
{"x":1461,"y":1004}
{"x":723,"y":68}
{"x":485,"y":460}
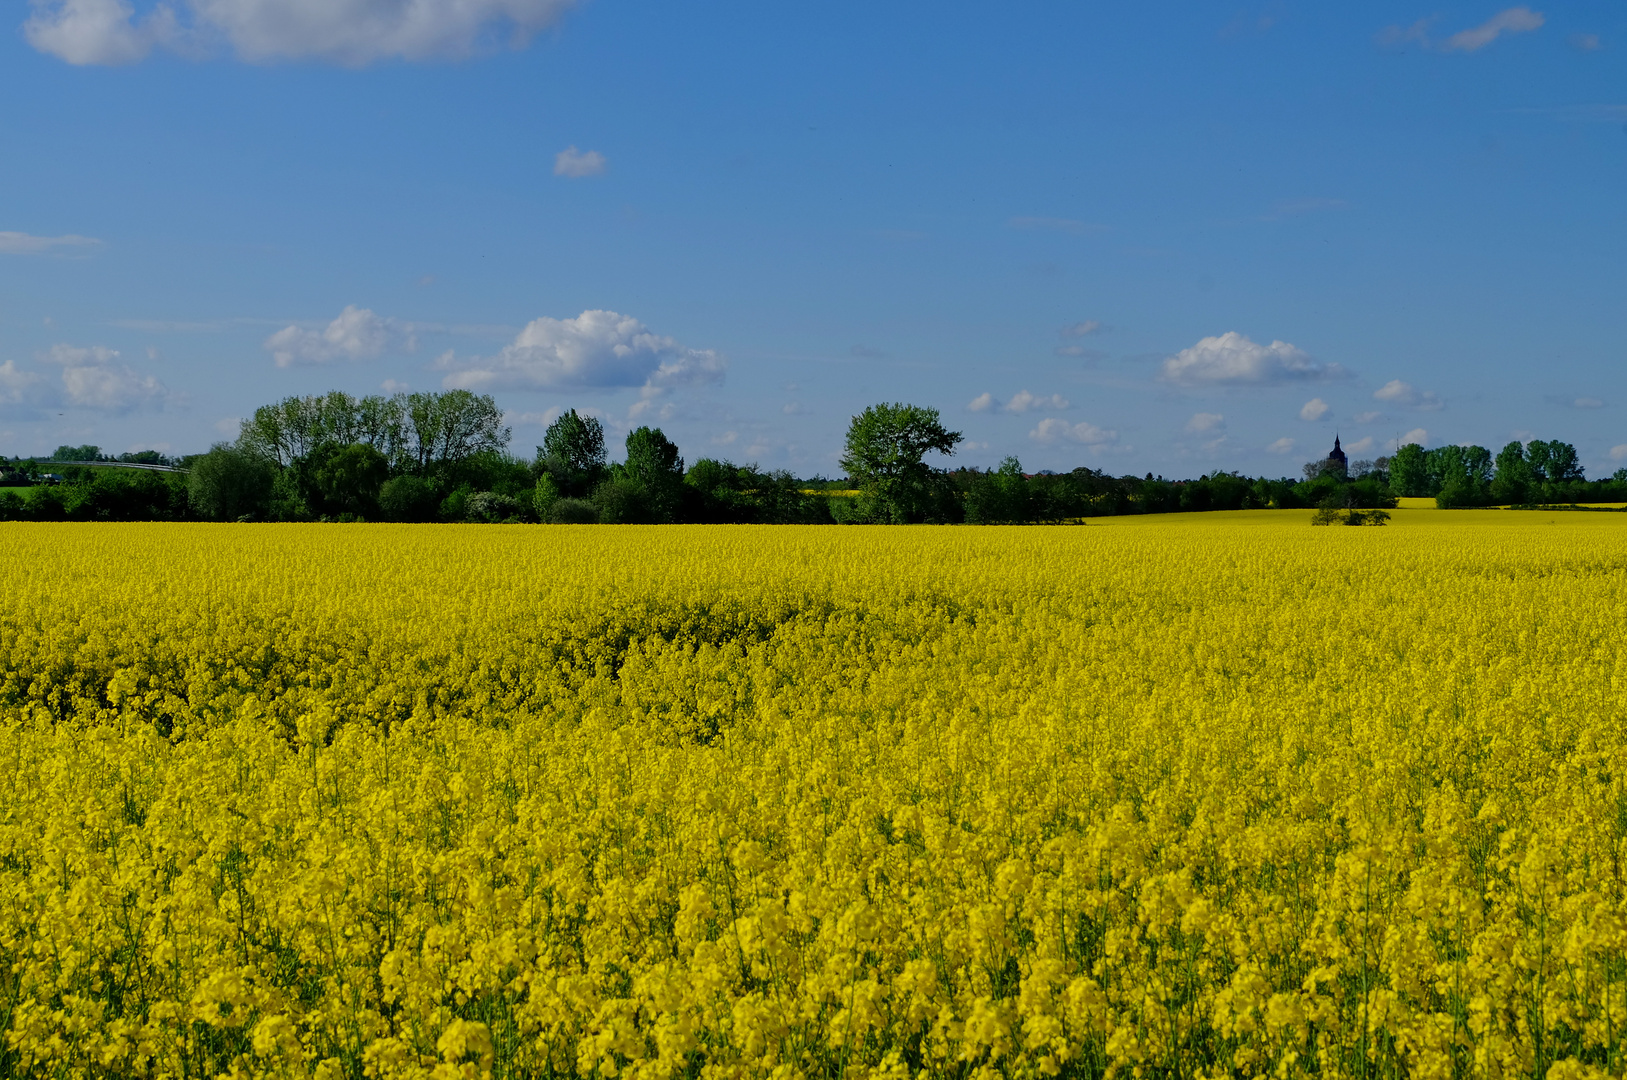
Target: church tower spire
{"x":1337,"y":459}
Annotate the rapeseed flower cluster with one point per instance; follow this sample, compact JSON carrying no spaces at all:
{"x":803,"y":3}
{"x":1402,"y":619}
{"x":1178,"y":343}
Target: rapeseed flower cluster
{"x":1223,"y":797}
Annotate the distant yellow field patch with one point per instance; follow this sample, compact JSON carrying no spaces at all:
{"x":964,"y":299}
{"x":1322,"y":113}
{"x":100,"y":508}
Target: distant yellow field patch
{"x":1416,"y":504}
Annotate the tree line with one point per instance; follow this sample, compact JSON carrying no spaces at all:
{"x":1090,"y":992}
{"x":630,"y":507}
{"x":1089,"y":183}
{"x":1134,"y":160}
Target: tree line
{"x":886,"y":445}
{"x":444,"y":457}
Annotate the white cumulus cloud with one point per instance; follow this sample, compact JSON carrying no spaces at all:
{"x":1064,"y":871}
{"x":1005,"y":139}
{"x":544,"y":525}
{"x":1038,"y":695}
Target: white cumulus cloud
{"x":1314,"y":409}
{"x":1416,"y":435}
{"x":981,"y":403}
{"x":93,"y":378}
{"x":1404,"y":394}
{"x":1232,"y":359}
{"x":1618,"y":453}
{"x":574,"y":163}
{"x":357,"y":334}
{"x":97,"y":31}
{"x":1514,"y":20}
{"x":1206,"y":421}
{"x":597,"y":348}
{"x":1283,"y":445}
{"x":1361,"y":446}
{"x":349,"y":32}
{"x":17,"y":385}
{"x":17,"y":243}
{"x":1054,"y":430}
{"x":1366,"y":417}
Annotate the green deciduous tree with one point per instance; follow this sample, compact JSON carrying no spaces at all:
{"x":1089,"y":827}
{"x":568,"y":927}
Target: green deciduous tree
{"x":621,"y":500}
{"x":885,"y":458}
{"x":445,"y":429}
{"x":1465,"y":475}
{"x":344,"y":480}
{"x":1409,"y":473}
{"x":573,"y":453}
{"x":228,"y":484}
{"x":654,"y":463}
{"x":409,"y":498}
{"x":999,"y":497}
{"x":290,"y":429}
{"x":1512,"y":482}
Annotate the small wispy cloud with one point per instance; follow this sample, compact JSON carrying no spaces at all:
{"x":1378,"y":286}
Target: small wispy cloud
{"x":1514,"y":20}
{"x":19,"y":243}
{"x":1569,"y":402}
{"x":1314,"y":409}
{"x":1405,"y":395}
{"x":1204,"y":422}
{"x":1585,"y":42}
{"x":1396,"y":36}
{"x":1054,"y":430}
{"x":576,"y":163}
{"x":1081,"y":329}
{"x":1284,"y":445}
{"x":1020,"y":402}
{"x":1081,"y":352}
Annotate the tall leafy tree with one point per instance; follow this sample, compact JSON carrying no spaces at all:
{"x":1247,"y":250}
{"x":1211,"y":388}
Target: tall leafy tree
{"x":1562,"y":464}
{"x":1465,"y":475}
{"x":228,"y":483}
{"x":344,"y":479}
{"x":885,"y":456}
{"x":998,"y":497}
{"x":289,"y":430}
{"x":654,"y":463}
{"x":573,"y":453}
{"x":444,"y":429}
{"x":1409,"y":473}
{"x":1512,"y":482}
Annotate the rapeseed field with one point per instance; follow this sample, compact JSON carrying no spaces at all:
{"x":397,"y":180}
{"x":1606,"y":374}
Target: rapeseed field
{"x":1215,"y":795}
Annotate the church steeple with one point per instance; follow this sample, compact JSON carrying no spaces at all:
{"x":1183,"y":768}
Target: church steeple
{"x":1337,"y":458}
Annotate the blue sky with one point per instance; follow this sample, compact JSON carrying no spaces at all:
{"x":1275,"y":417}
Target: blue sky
{"x":1168,"y":237}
